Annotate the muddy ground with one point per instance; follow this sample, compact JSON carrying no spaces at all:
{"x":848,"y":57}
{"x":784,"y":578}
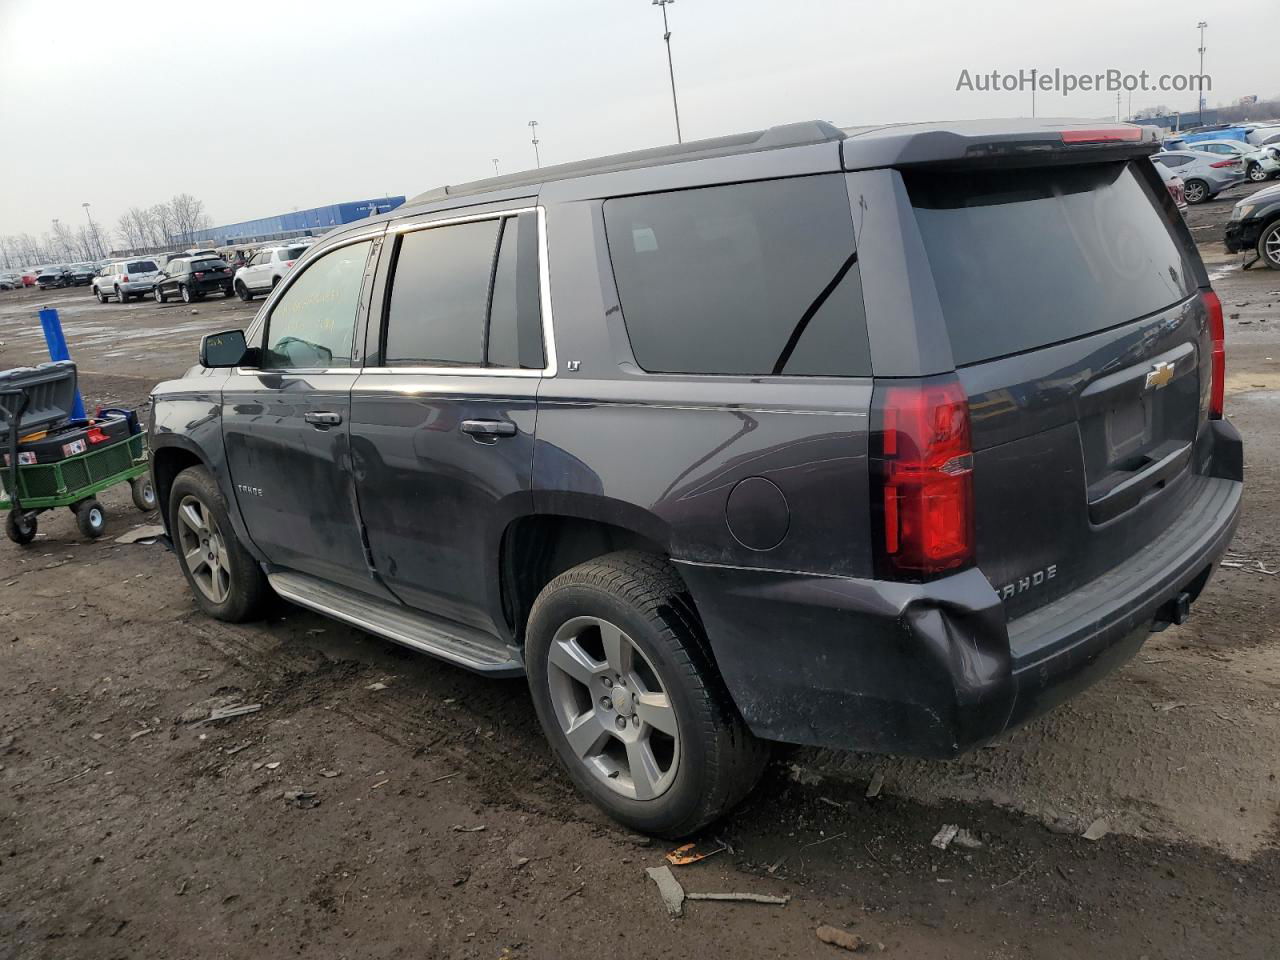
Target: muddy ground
{"x":127,"y":832}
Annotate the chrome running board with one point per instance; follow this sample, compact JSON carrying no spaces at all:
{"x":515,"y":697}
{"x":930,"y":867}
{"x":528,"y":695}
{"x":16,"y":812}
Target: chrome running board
{"x":445,"y":639}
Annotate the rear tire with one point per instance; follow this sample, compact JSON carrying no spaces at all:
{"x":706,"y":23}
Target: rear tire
{"x":1195,"y":191}
{"x":121,"y":296}
{"x":693,"y":772}
{"x":1269,"y":245}
{"x":20,"y":528}
{"x":227,"y":292}
{"x":91,"y":518}
{"x":231,"y":587}
{"x":185,"y":292}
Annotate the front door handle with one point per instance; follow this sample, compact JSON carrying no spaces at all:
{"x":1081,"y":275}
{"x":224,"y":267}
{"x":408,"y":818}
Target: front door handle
{"x":322,"y":418}
{"x":489,"y":430}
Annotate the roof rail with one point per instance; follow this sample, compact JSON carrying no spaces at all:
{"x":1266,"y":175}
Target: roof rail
{"x":774,"y":138}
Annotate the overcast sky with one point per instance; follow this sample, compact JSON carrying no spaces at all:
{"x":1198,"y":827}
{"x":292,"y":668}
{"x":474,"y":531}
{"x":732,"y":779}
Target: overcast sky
{"x":262,"y":106}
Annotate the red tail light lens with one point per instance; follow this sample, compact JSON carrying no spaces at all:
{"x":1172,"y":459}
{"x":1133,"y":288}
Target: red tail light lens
{"x":288,"y":263}
{"x":922,"y":488}
{"x":199,"y":274}
{"x":125,"y":278}
{"x":1218,"y":358}
{"x":1224,"y":163}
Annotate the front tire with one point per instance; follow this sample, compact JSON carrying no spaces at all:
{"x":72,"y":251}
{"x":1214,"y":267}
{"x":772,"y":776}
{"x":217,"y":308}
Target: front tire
{"x":227,"y":582}
{"x":1269,"y":246}
{"x":102,"y":297}
{"x":20,"y":527}
{"x":243,"y":292}
{"x":1257,"y":174}
{"x":1195,"y":191}
{"x":159,"y":294}
{"x":628,"y":695}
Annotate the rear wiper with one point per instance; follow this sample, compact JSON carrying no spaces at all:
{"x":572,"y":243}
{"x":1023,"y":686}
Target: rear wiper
{"x":803,"y":323}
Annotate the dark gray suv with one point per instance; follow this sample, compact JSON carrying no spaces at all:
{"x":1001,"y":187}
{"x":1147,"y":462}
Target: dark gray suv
{"x":883,"y":439}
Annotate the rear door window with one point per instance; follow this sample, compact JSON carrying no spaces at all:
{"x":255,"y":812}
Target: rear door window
{"x":749,"y":279}
{"x":1026,"y":258}
{"x":466,"y":295}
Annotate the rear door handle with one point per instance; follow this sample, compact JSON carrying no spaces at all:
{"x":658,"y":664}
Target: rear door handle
{"x":489,"y":429}
{"x":322,"y":418}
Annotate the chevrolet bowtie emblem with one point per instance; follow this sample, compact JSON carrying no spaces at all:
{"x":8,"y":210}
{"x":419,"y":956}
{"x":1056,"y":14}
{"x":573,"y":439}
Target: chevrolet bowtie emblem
{"x":1160,"y":375}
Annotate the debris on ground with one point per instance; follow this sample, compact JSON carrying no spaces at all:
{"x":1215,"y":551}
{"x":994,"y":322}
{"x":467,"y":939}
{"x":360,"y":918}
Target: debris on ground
{"x":145,"y":535}
{"x":226,"y":713}
{"x":459,"y":828}
{"x":741,"y":898}
{"x":669,"y":888}
{"x":831,"y":803}
{"x":329,"y":774}
{"x":804,"y":776}
{"x":684,"y":855}
{"x":846,"y":940}
{"x":518,"y":862}
{"x":875,"y":786}
{"x":376,"y":685}
{"x":1097,"y":830}
{"x":302,"y":799}
{"x":966,"y":840}
{"x":946,"y":833}
{"x":232,"y":751}
{"x":140,"y":733}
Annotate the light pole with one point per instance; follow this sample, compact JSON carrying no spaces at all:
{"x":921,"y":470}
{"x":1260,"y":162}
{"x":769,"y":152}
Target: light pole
{"x":1200,"y":79}
{"x":533,"y":125}
{"x":93,"y":230}
{"x":666,"y":35}
{"x":495,"y":166}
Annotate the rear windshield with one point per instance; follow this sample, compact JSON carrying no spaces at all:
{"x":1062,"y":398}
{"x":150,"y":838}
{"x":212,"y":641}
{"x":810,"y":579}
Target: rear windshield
{"x":293,"y":253}
{"x":142,"y":266}
{"x":1025,"y":258}
{"x":207,"y":265}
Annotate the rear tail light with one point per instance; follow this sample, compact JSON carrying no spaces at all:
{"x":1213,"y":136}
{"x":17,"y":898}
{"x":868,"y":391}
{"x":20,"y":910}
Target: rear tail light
{"x":1224,"y":163}
{"x":199,"y":274}
{"x":288,"y":263}
{"x":922,"y":478}
{"x":125,"y":278}
{"x":1218,"y":358}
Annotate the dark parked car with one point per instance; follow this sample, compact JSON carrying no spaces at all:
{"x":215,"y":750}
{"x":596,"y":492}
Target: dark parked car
{"x":82,"y":274}
{"x":53,"y":278}
{"x":882,"y":439}
{"x":192,"y":279}
{"x":1255,"y":224}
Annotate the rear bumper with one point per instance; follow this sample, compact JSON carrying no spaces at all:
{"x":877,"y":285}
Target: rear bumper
{"x":933,"y":669}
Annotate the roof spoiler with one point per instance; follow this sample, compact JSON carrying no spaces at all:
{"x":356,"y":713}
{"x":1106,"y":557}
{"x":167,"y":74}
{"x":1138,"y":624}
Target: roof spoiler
{"x":998,"y":143}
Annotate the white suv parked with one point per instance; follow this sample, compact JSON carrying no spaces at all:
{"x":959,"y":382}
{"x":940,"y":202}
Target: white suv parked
{"x":263,"y":272}
{"x":123,"y":279}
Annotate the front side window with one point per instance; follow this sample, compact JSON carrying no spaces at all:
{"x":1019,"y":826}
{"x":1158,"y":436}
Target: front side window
{"x":749,"y":279}
{"x":313,"y":322}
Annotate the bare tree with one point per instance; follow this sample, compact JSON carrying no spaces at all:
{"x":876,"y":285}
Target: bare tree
{"x":188,"y":216}
{"x":163,"y":223}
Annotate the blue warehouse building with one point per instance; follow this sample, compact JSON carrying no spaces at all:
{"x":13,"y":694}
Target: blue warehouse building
{"x":299,"y":223}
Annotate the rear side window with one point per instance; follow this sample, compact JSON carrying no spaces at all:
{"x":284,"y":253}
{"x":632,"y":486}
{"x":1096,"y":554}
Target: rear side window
{"x":465,"y":295}
{"x":750,"y":279}
{"x":1026,"y":258}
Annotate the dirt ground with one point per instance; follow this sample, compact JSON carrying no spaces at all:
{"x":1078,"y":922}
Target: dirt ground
{"x":442,"y":828}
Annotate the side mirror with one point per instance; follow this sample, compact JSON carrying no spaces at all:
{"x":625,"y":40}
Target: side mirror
{"x":227,"y":349}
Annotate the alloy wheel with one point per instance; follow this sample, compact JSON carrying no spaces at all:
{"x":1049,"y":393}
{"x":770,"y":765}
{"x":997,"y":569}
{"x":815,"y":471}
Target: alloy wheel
{"x":203,"y":549}
{"x":1271,"y":245}
{"x":1194,"y":191}
{"x":613,"y":708}
{"x":1257,"y":174}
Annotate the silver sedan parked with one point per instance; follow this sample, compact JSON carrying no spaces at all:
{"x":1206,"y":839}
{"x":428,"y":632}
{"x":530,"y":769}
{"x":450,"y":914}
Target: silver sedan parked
{"x":1204,"y":175}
